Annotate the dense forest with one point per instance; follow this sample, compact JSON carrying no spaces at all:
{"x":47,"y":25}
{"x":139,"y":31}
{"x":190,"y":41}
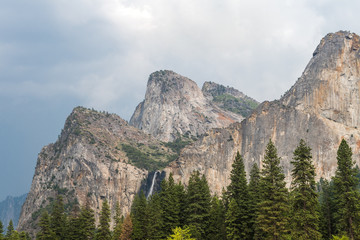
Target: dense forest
{"x":263,"y":208}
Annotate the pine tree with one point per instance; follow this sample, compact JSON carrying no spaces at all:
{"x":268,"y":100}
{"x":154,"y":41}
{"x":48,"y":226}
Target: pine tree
{"x":87,"y":222}
{"x":217,"y":229}
{"x":233,"y":226}
{"x":198,"y":206}
{"x":104,"y":227}
{"x":305,"y":219}
{"x":45,"y":232}
{"x":139,"y":217}
{"x":254,"y":197}
{"x":58,"y":218}
{"x":118,"y":222}
{"x":272,"y":216}
{"x":238,"y":190}
{"x":327,"y":209}
{"x":154,"y":209}
{"x":74,"y":225}
{"x":10,"y":229}
{"x":171,"y":197}
{"x":1,"y":231}
{"x":127,"y":228}
{"x":347,"y":196}
{"x":181,"y":234}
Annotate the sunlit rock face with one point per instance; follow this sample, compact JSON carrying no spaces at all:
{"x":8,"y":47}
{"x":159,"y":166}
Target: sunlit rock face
{"x":174,"y":106}
{"x":322,"y":108}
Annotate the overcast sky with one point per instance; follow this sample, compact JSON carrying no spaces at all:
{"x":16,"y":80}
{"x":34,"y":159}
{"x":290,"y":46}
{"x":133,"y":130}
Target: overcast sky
{"x":55,"y":55}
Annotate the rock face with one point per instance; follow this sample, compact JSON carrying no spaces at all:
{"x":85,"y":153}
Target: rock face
{"x":174,"y":106}
{"x":229,"y":99}
{"x":321,"y":108}
{"x":91,"y":161}
{"x":10,"y":209}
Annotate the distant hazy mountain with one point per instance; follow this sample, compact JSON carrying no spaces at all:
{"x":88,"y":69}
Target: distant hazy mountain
{"x":10,"y":208}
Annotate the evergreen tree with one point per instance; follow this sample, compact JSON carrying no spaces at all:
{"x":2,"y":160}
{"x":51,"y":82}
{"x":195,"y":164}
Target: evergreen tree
{"x":104,"y":227}
{"x":272,"y":216}
{"x":327,"y":209}
{"x":238,"y":190}
{"x":1,"y":231}
{"x":305,"y":219}
{"x":198,"y":206}
{"x":127,"y":229}
{"x":171,"y":197}
{"x":45,"y":232}
{"x":254,"y":197}
{"x":139,"y":217}
{"x":58,"y":218}
{"x":155,"y":229}
{"x":10,"y":229}
{"x":347,"y":196}
{"x":74,"y":225}
{"x":233,"y":226}
{"x":87,"y":222}
{"x":118,"y":222}
{"x":217,"y":229}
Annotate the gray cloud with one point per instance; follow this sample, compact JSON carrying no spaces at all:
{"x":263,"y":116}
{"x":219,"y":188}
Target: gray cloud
{"x":55,"y":55}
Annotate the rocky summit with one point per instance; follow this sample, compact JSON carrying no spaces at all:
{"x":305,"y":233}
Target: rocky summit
{"x":174,"y":106}
{"x":180,"y":128}
{"x":322,"y":108}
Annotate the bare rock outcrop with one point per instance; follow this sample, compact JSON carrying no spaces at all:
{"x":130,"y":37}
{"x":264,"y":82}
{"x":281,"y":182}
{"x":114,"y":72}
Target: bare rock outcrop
{"x":322,"y":108}
{"x":174,"y":106}
{"x":93,"y":159}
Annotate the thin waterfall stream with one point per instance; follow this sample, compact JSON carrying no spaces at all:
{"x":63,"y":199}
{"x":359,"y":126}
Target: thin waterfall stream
{"x":152,"y":185}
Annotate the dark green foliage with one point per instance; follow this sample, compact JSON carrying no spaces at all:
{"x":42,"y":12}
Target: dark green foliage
{"x":347,"y":197}
{"x":327,"y":209}
{"x":305,"y":219}
{"x":154,"y":209}
{"x":139,"y":217}
{"x":197,"y":209}
{"x":58,"y":218}
{"x":1,"y":230}
{"x":171,"y":198}
{"x":118,"y":219}
{"x":10,"y":230}
{"x":273,"y":209}
{"x":145,"y":160}
{"x":104,"y":227}
{"x":217,"y":229}
{"x":233,"y":225}
{"x":236,"y":105}
{"x":87,"y":222}
{"x":178,"y":144}
{"x":254,"y":197}
{"x":74,"y":225}
{"x":45,"y":232}
{"x":238,"y":191}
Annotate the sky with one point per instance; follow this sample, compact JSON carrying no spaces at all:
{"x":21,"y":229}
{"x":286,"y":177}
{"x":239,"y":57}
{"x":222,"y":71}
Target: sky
{"x":56,"y":55}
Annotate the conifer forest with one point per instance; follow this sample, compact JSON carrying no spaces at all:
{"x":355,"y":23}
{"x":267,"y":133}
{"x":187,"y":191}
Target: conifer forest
{"x":257,"y":206}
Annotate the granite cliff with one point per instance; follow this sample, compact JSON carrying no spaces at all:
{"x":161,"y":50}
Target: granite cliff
{"x":322,"y":108}
{"x":97,"y":156}
{"x":174,"y":106}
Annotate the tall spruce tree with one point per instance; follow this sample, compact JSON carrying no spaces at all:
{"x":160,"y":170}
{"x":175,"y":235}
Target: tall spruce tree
{"x":139,"y":217}
{"x":1,"y":231}
{"x":254,"y":196}
{"x":347,"y":196}
{"x":87,"y":222}
{"x":305,"y":219}
{"x":45,"y":232}
{"x":327,"y":208}
{"x":74,"y":225}
{"x":58,"y":218}
{"x":10,"y":229}
{"x":197,"y":208}
{"x":272,"y":219}
{"x":217,"y":229}
{"x":238,"y":190}
{"x":104,"y":227}
{"x":118,"y":220}
{"x":154,"y":207}
{"x":233,"y":225}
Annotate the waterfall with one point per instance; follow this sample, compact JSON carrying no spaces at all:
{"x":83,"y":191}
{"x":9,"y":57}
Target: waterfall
{"x":152,"y":185}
